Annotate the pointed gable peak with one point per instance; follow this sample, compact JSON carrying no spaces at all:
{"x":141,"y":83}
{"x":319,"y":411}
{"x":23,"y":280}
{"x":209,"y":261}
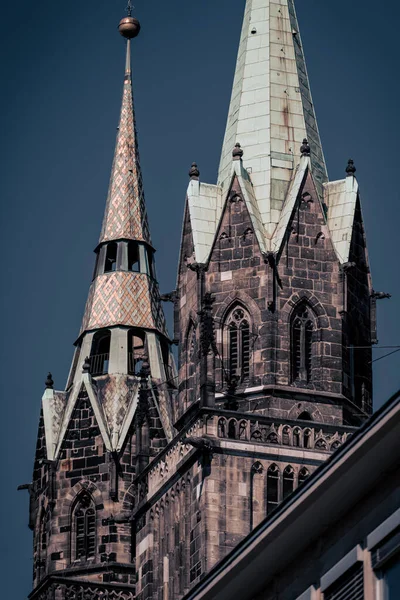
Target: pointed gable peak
{"x":125,"y":214}
{"x":271,"y":110}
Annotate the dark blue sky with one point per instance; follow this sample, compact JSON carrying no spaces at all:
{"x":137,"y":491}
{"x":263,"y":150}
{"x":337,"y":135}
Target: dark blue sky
{"x":61,"y":93}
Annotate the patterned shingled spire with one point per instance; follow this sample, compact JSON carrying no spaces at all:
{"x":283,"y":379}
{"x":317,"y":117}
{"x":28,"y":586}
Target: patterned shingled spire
{"x":125,"y":216}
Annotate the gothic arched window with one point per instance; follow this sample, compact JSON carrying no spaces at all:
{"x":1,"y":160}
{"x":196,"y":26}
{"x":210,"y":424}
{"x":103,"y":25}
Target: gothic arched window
{"x":272,"y":488}
{"x":237,"y":326}
{"x":303,"y":474}
{"x":288,"y":481}
{"x":302,"y":327}
{"x":84,"y":527}
{"x":100,"y":352}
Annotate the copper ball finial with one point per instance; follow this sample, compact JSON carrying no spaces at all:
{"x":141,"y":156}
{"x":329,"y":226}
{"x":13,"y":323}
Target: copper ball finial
{"x":129,"y":27}
{"x":237,"y":152}
{"x":194,"y":172}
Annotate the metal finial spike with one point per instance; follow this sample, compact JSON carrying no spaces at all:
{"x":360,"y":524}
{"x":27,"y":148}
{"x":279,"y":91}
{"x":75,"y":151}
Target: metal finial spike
{"x":237,"y":152}
{"x":194,"y":172}
{"x":350,"y":169}
{"x":129,"y":8}
{"x":49,"y":381}
{"x":305,"y":148}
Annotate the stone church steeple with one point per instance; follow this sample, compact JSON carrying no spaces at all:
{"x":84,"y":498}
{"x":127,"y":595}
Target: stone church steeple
{"x":144,"y":478}
{"x":116,"y":412}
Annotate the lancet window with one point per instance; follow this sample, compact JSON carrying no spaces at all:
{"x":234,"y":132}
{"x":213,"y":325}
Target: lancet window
{"x":272,"y":488}
{"x":136,"y":351}
{"x":84,"y":527}
{"x":100,"y":352}
{"x":302,"y":328}
{"x":288,"y":481}
{"x":237,"y":332}
{"x":303,"y":474}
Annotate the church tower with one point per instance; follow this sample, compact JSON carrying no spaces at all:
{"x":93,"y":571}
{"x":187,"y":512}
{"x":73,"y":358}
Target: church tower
{"x":116,"y":411}
{"x":145,"y":477}
{"x":274,"y":312}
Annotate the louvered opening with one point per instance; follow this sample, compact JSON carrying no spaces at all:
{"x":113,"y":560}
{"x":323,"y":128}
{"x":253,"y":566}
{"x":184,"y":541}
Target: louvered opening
{"x":308,"y":349}
{"x":80,"y":533}
{"x":296,"y":349}
{"x":85,"y":528}
{"x":245,"y":331}
{"x":348,"y":587}
{"x":233,"y":349}
{"x":91,"y":532}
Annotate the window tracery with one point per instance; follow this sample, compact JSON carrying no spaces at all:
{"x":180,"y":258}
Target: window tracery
{"x":237,"y":326}
{"x":84,"y":527}
{"x":302,"y":328}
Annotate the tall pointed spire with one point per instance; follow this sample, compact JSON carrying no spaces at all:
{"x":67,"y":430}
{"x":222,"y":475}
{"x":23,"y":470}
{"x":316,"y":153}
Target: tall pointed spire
{"x":124,"y":291}
{"x":271,"y":109}
{"x":125,"y":215}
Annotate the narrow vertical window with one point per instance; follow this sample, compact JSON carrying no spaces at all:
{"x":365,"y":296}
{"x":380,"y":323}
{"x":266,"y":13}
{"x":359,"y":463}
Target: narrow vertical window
{"x":288,"y":481}
{"x":100,"y":352}
{"x":238,"y":343}
{"x":111,"y":257}
{"x":84,"y":516}
{"x":286,"y":436}
{"x":272,"y":488}
{"x":302,"y":329}
{"x":133,"y":257}
{"x":136,"y":351}
{"x":303,"y":474}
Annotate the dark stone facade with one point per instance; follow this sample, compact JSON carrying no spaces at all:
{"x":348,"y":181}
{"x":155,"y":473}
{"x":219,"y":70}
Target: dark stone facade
{"x":166,"y":513}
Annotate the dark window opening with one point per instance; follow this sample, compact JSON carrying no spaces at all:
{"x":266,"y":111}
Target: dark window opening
{"x":305,"y":416}
{"x":100,"y":353}
{"x":288,"y":481}
{"x":303,"y":474}
{"x":302,"y":342}
{"x":296,"y":438}
{"x":85,"y":528}
{"x":136,"y":351}
{"x":150,"y":260}
{"x":272,"y":488}
{"x":232,"y":429}
{"x":96,"y":264}
{"x":111,"y":257}
{"x":239,"y":344}
{"x":133,"y":257}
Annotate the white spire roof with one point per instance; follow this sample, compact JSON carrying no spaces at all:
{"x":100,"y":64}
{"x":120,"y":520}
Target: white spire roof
{"x":271,"y":109}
